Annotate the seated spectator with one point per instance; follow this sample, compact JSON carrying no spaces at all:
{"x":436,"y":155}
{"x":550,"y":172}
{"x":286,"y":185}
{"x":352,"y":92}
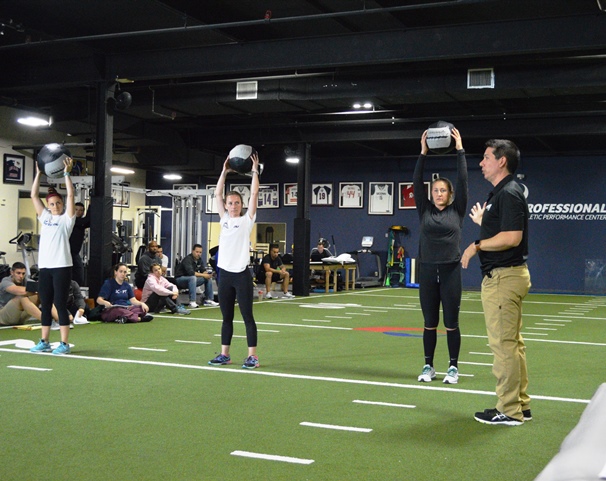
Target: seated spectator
{"x":274,"y":271}
{"x":76,"y":306}
{"x":121,"y":305}
{"x":144,"y":263}
{"x":159,"y":293}
{"x":191,"y":274}
{"x":320,"y":252}
{"x":16,"y":304}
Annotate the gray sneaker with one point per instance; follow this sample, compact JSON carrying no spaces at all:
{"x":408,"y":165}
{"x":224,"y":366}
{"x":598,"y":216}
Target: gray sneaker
{"x":428,"y":374}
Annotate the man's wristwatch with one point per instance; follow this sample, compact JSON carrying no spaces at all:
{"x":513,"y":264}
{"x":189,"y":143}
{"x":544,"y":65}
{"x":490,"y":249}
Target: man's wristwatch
{"x":477,"y":244}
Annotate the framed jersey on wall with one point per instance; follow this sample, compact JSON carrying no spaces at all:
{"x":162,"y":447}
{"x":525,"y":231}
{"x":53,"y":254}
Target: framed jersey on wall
{"x":351,"y":195}
{"x":380,"y":198}
{"x":322,"y":194}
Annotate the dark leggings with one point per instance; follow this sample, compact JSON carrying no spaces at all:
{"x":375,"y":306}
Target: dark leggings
{"x":53,"y":288}
{"x":232,"y":286}
{"x":440,"y":283}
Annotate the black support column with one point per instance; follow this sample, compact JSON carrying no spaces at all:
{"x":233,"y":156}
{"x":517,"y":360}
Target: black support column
{"x":300,"y":285}
{"x":101,"y":203}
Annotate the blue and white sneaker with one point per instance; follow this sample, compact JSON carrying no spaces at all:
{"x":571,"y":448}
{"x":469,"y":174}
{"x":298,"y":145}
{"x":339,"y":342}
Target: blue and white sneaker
{"x":251,"y":362}
{"x":62,"y":348}
{"x":181,"y":310}
{"x":428,"y":374}
{"x":42,"y":346}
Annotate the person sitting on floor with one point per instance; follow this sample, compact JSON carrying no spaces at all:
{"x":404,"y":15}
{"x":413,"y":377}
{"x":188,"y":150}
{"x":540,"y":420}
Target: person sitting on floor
{"x":16,"y":304}
{"x":274,"y":271}
{"x":159,"y":293}
{"x":121,"y":305}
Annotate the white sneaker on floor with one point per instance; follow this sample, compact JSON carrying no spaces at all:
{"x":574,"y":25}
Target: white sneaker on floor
{"x":209,"y":303}
{"x":55,"y":326}
{"x":269,"y":296}
{"x":427,"y":374}
{"x":452,"y":376}
{"x":80,"y":320}
{"x":193,"y":304}
{"x":289,"y":295}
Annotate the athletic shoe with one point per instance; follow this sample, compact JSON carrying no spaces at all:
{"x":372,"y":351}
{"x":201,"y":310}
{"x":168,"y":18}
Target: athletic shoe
{"x":62,"y":348}
{"x":42,"y":346}
{"x":55,"y":326}
{"x":452,"y":376}
{"x":493,"y":416}
{"x":527,"y":415}
{"x":269,"y":296}
{"x":121,"y":320}
{"x":181,"y":310}
{"x":209,"y":303}
{"x":428,"y":374}
{"x":80,"y":320}
{"x":251,"y":362}
{"x":193,"y":304}
{"x":147,"y":318}
{"x":289,"y":295}
{"x":220,"y":360}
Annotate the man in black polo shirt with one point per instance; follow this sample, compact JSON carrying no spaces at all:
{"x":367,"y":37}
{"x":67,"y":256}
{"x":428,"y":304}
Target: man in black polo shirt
{"x":503,"y":250}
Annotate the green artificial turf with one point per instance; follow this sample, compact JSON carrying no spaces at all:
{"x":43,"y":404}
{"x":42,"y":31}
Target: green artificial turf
{"x":108,"y":411}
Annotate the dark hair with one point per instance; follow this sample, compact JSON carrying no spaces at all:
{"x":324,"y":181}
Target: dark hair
{"x":233,"y":192}
{"x":274,"y":246}
{"x":196,"y":246}
{"x":117,"y":266}
{"x":80,"y":204}
{"x":151,"y":268}
{"x":18,"y":265}
{"x":509,"y":150}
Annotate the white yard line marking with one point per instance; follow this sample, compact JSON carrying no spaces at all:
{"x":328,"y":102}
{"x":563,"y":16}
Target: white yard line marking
{"x":267,"y":330}
{"x":542,"y":328}
{"x":239,"y":337}
{"x":26,"y":368}
{"x":533,"y":334}
{"x":192,"y":342}
{"x":257,"y":372}
{"x":377,"y":403}
{"x":460,"y":374}
{"x":315,"y":320}
{"x":475,"y":363}
{"x":482,"y":353}
{"x":147,"y":349}
{"x":358,"y":314}
{"x":558,"y":320}
{"x":338,"y":428}
{"x":375,"y":310}
{"x":548,"y":324}
{"x":339,"y":317}
{"x":272,"y":457}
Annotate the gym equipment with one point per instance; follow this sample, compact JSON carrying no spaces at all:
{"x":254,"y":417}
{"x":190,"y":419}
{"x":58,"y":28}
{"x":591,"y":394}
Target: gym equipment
{"x":369,"y":272}
{"x":50,"y":160}
{"x":396,"y":269}
{"x":439,"y":138}
{"x":240,"y":158}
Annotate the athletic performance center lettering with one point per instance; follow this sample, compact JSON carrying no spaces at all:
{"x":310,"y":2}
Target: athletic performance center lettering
{"x":567,"y":211}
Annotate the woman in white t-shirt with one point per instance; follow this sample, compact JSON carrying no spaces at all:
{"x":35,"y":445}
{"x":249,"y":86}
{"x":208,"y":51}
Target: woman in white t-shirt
{"x":54,"y":257}
{"x":235,"y":280}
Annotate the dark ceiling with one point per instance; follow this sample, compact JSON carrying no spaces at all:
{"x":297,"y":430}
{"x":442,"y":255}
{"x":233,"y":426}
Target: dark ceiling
{"x":311,"y":60}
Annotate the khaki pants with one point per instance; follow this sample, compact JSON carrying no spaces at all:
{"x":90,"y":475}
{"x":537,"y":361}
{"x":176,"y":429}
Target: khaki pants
{"x":502,"y":295}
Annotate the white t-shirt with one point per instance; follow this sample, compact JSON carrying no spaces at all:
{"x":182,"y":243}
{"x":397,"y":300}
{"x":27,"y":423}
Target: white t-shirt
{"x":53,"y":247}
{"x":164,"y":260}
{"x":234,"y":242}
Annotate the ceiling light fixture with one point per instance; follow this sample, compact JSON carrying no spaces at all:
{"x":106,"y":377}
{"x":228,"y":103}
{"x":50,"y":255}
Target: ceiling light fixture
{"x":172,"y":176}
{"x":121,"y":170}
{"x":363,"y":105}
{"x":293,"y":160}
{"x":35,"y":121}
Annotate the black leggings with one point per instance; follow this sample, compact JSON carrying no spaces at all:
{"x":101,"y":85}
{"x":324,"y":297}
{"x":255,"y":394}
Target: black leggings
{"x":53,"y":288}
{"x":440,"y":283}
{"x":232,"y":286}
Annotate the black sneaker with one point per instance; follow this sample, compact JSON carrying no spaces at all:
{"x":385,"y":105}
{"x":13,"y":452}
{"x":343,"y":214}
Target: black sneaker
{"x":121,"y":320}
{"x":493,"y":416}
{"x":147,"y":318}
{"x":527,"y":415}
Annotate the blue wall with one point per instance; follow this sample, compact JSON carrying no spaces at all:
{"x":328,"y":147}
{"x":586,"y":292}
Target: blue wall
{"x":561,"y":244}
